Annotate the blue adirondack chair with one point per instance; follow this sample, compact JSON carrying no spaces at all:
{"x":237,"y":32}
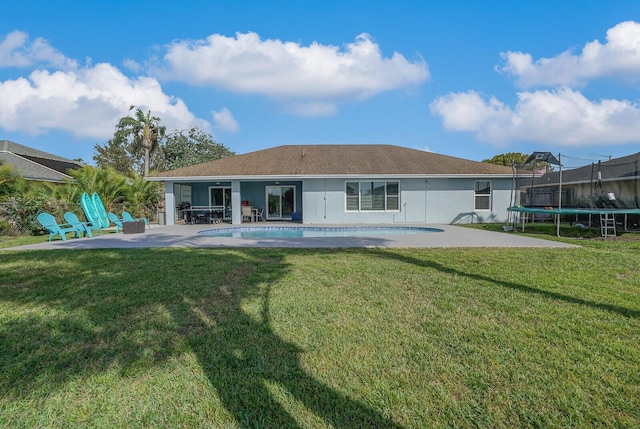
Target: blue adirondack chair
{"x":115,"y":220}
{"x":48,"y":222}
{"x":84,"y":228}
{"x":126,"y":217}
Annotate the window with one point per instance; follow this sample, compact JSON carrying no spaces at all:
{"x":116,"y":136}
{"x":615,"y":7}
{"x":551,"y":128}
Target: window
{"x":483,"y":195}
{"x":353,"y":196}
{"x":393,"y":196}
{"x":372,"y":196}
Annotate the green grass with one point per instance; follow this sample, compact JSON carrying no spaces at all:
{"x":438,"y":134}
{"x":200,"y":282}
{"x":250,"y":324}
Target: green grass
{"x":21,"y":240}
{"x":548,"y":230}
{"x":10,"y":241}
{"x":321,"y":338}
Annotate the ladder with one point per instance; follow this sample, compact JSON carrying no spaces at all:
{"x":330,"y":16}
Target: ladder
{"x":607,"y":225}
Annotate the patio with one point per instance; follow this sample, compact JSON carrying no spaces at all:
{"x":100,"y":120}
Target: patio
{"x":187,"y":236}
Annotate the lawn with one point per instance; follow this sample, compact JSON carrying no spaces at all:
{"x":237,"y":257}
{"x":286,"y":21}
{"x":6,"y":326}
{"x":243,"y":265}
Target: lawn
{"x":321,"y":338}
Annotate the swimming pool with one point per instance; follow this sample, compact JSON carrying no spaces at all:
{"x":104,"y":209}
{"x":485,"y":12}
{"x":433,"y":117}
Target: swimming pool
{"x":313,"y":231}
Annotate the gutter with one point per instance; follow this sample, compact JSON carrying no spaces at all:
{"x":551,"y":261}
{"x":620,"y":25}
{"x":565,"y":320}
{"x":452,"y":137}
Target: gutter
{"x":321,"y":176}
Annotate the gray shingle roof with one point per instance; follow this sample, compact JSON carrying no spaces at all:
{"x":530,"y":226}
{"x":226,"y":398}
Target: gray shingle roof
{"x":337,"y":160}
{"x":35,"y":164}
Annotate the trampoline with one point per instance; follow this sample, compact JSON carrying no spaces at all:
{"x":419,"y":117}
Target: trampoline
{"x":605,"y":205}
{"x":607,"y":216}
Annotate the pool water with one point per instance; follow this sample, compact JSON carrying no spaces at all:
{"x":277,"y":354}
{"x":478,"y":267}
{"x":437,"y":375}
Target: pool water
{"x":313,"y":231}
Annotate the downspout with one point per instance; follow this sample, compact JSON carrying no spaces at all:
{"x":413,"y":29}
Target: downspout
{"x":325,"y":198}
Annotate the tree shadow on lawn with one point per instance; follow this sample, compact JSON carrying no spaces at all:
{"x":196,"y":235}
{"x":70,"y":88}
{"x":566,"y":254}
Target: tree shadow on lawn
{"x":90,"y":317}
{"x":405,"y":258}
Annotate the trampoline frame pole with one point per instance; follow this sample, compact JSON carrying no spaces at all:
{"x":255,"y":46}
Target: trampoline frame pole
{"x":559,"y":196}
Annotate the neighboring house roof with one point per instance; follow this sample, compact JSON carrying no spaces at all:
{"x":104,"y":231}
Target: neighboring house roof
{"x":336,"y":160}
{"x":624,"y":168}
{"x":35,"y":164}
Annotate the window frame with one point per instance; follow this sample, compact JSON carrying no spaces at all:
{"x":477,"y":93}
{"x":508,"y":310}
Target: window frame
{"x":373,"y":185}
{"x":481,"y":193}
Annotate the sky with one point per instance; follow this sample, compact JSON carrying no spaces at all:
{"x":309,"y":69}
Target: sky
{"x":470,"y":79}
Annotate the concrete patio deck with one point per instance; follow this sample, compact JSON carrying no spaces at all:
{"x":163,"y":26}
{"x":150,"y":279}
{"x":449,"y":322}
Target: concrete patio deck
{"x":187,"y":236}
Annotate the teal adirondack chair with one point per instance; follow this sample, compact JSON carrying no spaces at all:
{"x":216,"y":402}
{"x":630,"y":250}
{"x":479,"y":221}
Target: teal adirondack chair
{"x":48,"y":222}
{"x":115,"y":220}
{"x":126,"y":217}
{"x":84,"y":228}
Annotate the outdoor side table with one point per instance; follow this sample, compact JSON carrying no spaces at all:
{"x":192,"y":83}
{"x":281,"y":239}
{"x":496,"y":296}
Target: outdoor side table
{"x":134,"y":227}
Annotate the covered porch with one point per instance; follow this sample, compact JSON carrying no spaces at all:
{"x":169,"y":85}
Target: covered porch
{"x":223,"y":201}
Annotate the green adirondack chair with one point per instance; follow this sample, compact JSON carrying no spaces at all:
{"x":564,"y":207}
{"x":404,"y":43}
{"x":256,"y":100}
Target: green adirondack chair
{"x":49,"y":222}
{"x":126,"y":217}
{"x":115,"y":220}
{"x":84,"y":228}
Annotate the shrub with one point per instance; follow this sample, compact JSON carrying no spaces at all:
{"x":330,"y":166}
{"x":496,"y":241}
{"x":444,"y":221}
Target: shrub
{"x":24,"y":211}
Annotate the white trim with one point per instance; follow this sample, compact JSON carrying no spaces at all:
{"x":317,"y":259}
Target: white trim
{"x":386,"y":196}
{"x":476,"y":195}
{"x":323,"y":176}
{"x":224,"y":211}
{"x":266,"y":201}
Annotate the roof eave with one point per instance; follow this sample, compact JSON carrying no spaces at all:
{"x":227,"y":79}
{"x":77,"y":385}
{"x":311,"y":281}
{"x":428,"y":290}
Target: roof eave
{"x":284,"y":177}
{"x":62,"y":176}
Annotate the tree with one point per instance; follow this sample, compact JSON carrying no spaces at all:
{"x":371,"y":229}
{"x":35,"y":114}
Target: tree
{"x":519,"y":159}
{"x":142,"y":197}
{"x":11,"y":181}
{"x":508,"y":159}
{"x":191,"y":147}
{"x":111,"y":185}
{"x":141,"y":133}
{"x":140,"y":143}
{"x":114,"y":155}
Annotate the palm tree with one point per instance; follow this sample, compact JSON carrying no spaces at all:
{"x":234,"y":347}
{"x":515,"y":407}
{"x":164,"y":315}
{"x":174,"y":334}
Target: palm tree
{"x":11,"y":180}
{"x":107,"y":182}
{"x":143,"y":197}
{"x":143,"y":131}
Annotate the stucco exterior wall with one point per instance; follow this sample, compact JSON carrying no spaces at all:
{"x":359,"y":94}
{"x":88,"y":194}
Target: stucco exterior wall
{"x":322,"y":201}
{"x":421,"y":201}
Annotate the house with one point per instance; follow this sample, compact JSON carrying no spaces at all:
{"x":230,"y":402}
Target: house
{"x":613,"y":184}
{"x":36,"y":165}
{"x":343,"y":184}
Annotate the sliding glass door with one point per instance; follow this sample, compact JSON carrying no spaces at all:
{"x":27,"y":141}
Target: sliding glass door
{"x":280,"y":202}
{"x":220,"y":198}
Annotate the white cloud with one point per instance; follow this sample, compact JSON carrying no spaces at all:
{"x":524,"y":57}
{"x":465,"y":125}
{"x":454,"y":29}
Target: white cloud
{"x":619,"y":56}
{"x":86,"y":102}
{"x":467,"y":111}
{"x":225,"y":121}
{"x":289,"y":71}
{"x":132,"y":65}
{"x":17,"y":51}
{"x":562,"y":117}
